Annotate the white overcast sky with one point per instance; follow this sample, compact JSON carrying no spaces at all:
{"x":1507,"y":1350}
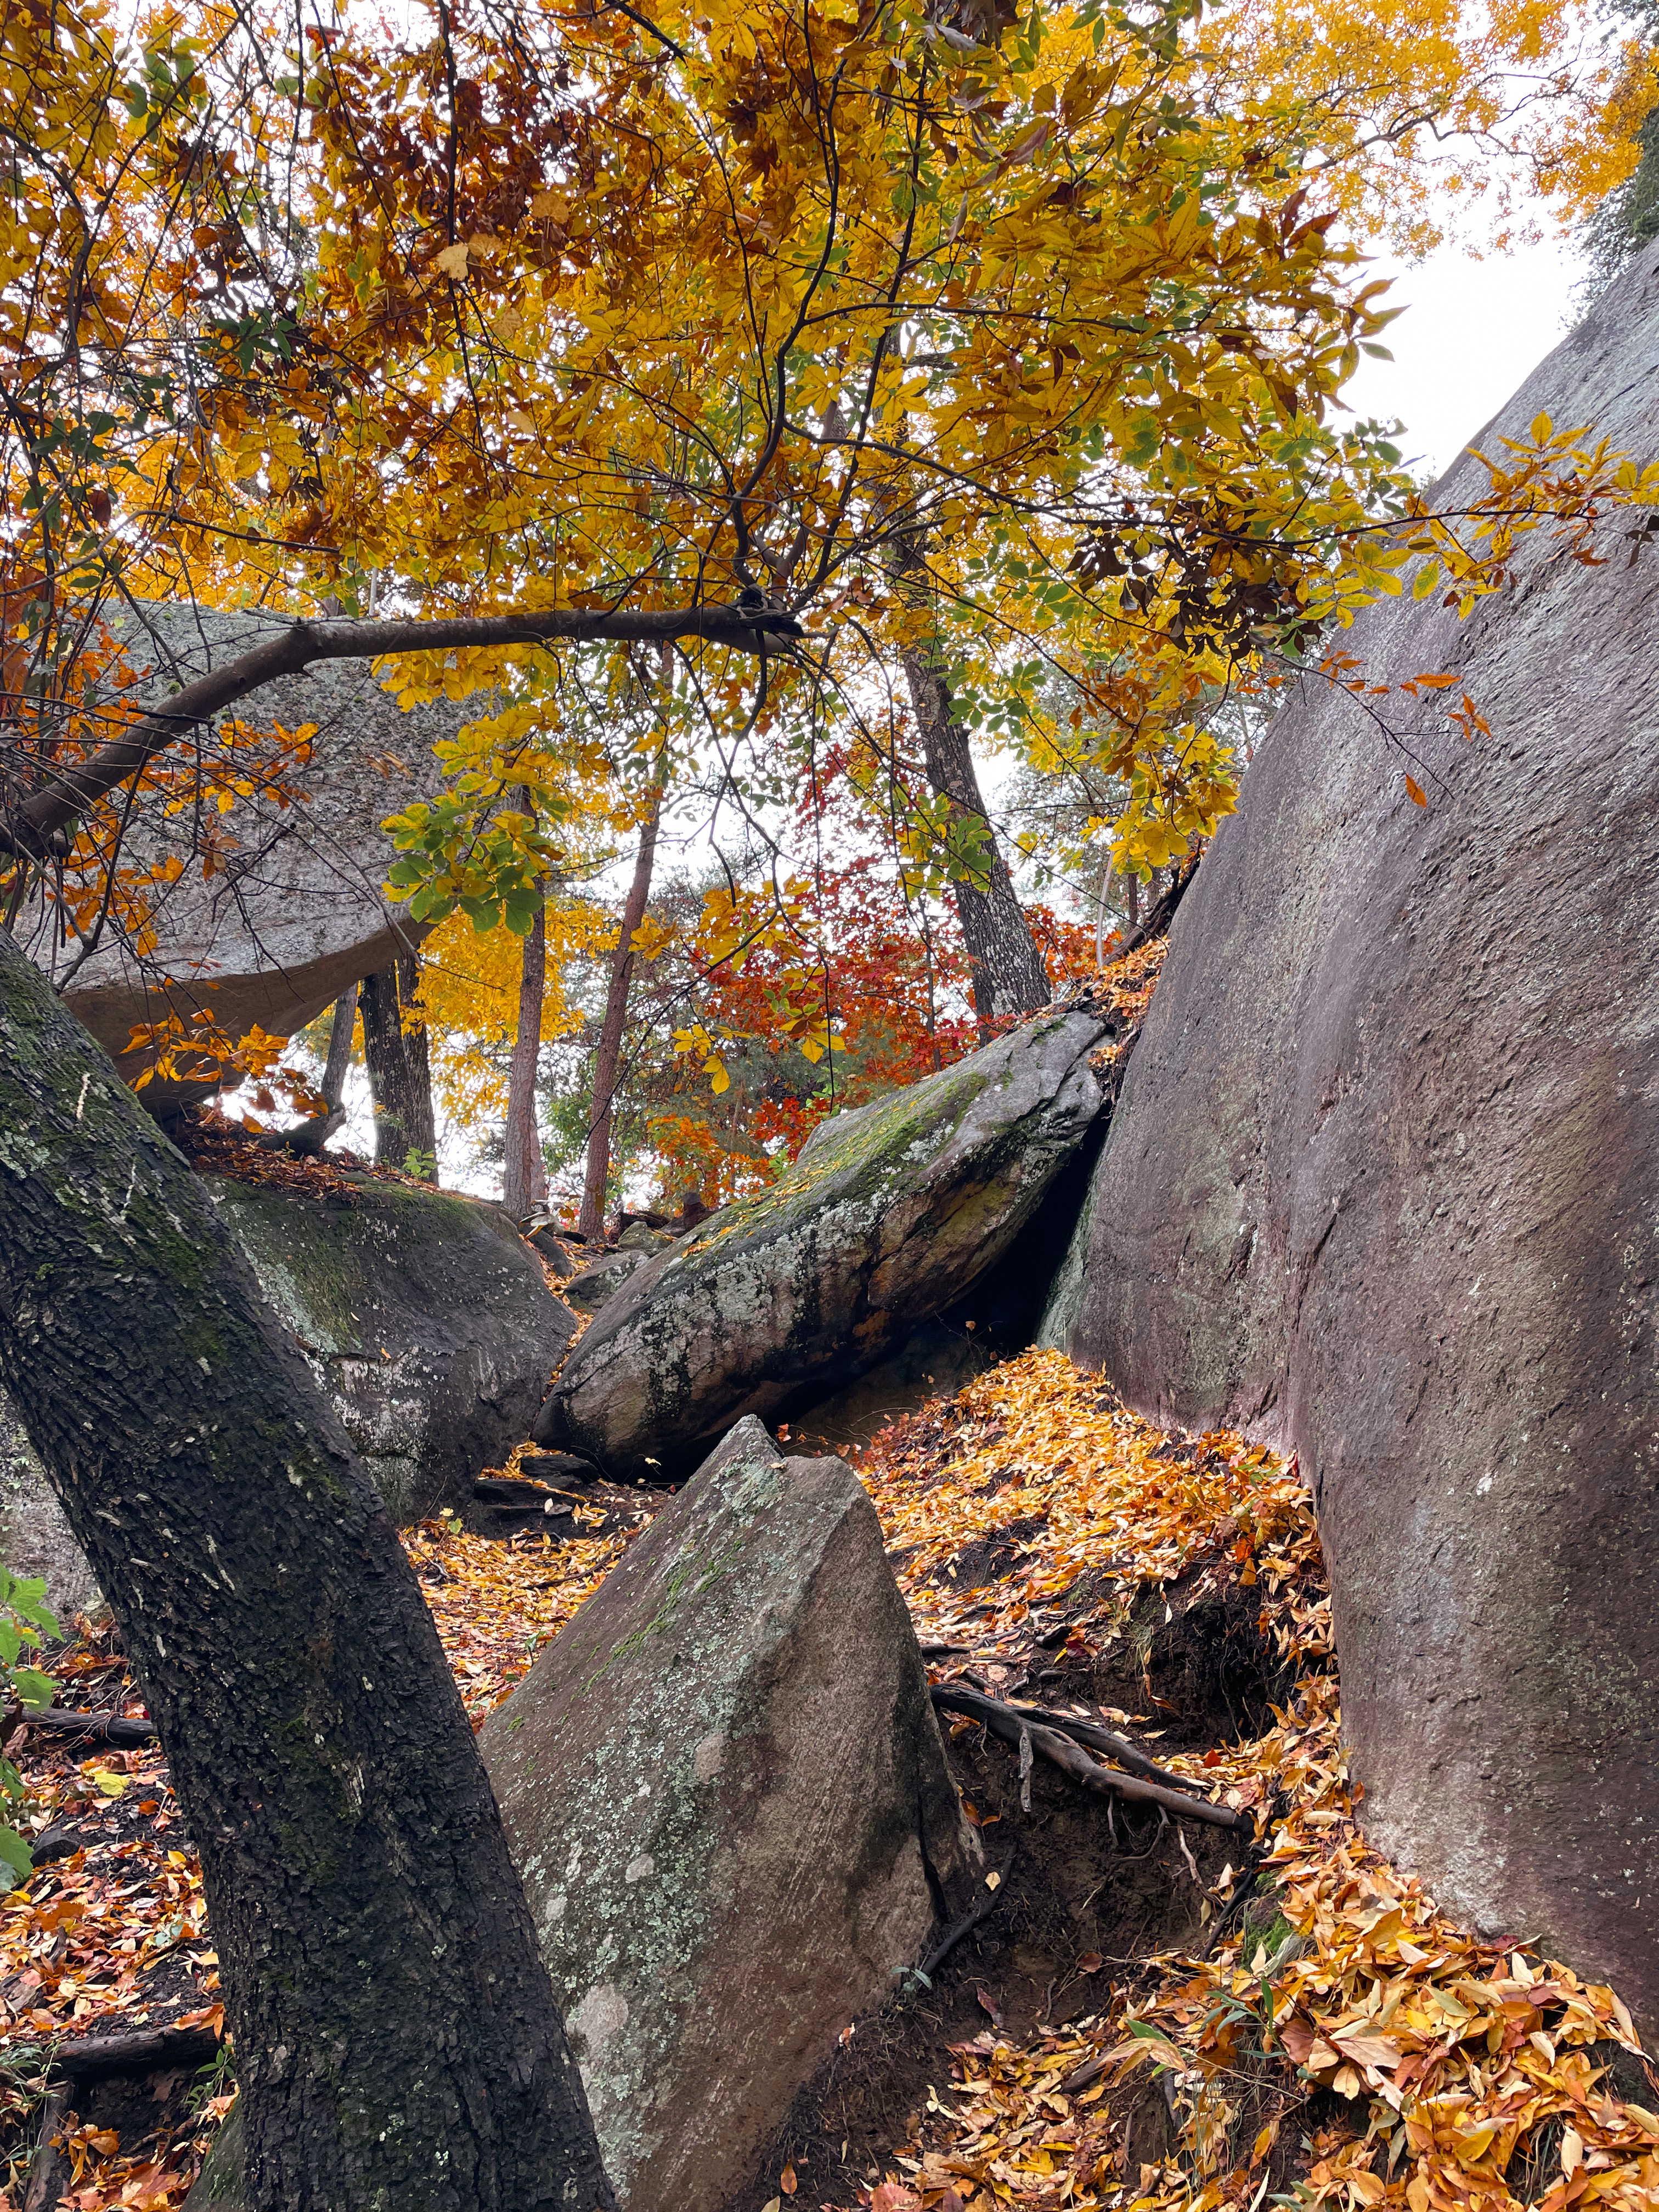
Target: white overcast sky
{"x":1471,"y":334}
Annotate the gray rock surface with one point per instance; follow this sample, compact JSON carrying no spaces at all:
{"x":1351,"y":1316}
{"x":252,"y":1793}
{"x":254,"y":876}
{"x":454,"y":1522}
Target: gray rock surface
{"x":34,"y":1537}
{"x":725,"y":1789}
{"x":425,"y":1317}
{"x":1382,"y":1187}
{"x":294,"y":910}
{"x":595,"y":1284}
{"x":887,"y":1218}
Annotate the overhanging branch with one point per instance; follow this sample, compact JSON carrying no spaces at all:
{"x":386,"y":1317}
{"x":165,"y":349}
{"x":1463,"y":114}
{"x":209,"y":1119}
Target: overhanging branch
{"x":35,"y":826}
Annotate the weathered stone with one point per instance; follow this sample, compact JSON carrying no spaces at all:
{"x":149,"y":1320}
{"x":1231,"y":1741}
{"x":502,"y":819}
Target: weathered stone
{"x":1380,"y":1188}
{"x":888,"y":1218}
{"x":295,"y":911}
{"x":596,"y":1285}
{"x":34,"y":1537}
{"x":725,"y":1790}
{"x":424,"y":1316}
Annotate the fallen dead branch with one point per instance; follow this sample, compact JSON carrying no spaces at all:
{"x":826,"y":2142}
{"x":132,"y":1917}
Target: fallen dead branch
{"x":1011,"y":1724}
{"x":145,"y":2050}
{"x":112,"y":1729}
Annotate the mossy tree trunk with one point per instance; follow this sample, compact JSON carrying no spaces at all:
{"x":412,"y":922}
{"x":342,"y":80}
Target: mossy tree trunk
{"x":398,"y":2045}
{"x":399,"y":1071}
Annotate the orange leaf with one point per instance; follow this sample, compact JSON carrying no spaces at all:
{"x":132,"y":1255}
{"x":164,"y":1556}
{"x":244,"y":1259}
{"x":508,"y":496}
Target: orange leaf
{"x":787,"y":2181}
{"x":1414,"y":790}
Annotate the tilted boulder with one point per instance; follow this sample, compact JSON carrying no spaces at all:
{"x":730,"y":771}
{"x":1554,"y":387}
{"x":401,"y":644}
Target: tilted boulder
{"x":1381,"y":1186}
{"x":424,"y":1315}
{"x":725,"y":1790}
{"x":889,"y":1216}
{"x":294,"y":909}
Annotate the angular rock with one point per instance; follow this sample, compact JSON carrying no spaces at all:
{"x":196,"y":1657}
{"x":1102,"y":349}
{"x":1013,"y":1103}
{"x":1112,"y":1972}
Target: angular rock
{"x":596,"y":1284}
{"x":726,"y":1792}
{"x":1380,"y":1188}
{"x":425,"y":1317}
{"x":297,"y":910}
{"x":889,"y":1216}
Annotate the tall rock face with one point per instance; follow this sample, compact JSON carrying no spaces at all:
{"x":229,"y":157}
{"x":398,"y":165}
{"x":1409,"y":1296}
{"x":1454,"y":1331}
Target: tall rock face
{"x":890,"y":1216}
{"x":425,"y":1317}
{"x":1383,"y":1186}
{"x":725,"y":1790}
{"x":290,"y":908}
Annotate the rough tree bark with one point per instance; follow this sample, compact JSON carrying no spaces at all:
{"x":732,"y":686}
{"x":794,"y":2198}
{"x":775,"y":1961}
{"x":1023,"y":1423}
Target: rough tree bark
{"x":339,"y":1046}
{"x":1007,"y":970}
{"x":524,"y":1175}
{"x":591,"y":1221}
{"x":399,"y":1071}
{"x":398,"y":2045}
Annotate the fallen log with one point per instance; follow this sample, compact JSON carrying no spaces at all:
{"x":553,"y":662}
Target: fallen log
{"x":113,"y":1728}
{"x":143,"y":2051}
{"x":1008,"y":1722}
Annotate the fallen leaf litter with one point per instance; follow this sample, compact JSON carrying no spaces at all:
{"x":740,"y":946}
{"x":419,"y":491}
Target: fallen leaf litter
{"x":1445,"y":2064}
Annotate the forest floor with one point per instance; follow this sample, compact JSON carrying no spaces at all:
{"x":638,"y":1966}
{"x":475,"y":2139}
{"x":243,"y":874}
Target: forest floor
{"x":1157,"y":2015}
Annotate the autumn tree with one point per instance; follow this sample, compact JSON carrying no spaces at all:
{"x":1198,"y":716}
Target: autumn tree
{"x":539,"y":331}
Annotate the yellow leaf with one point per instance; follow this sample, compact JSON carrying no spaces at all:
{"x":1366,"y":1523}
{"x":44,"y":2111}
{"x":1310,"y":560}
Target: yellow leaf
{"x":714,"y":1068}
{"x":1542,"y":427}
{"x":112,"y":1785}
{"x":452,"y":262}
{"x":1572,"y":2152}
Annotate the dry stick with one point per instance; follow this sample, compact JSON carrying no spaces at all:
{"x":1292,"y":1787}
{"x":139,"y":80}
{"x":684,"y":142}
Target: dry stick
{"x":1071,"y":1759}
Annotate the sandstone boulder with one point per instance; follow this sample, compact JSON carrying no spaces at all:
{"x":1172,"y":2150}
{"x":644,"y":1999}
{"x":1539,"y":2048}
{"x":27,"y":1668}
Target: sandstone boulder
{"x":425,"y":1317}
{"x":294,"y":909}
{"x":726,"y":1791}
{"x":1381,"y":1186}
{"x":888,"y":1218}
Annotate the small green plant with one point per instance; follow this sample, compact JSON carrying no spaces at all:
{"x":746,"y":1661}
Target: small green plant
{"x":24,"y":1618}
{"x":423,"y":1166}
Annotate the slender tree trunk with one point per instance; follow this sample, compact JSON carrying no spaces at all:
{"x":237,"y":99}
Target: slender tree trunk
{"x":399,"y":1071}
{"x":609,"y":1054}
{"x":339,"y":1046}
{"x":397,"y":2039}
{"x":524,"y":1175}
{"x":1006,"y":967}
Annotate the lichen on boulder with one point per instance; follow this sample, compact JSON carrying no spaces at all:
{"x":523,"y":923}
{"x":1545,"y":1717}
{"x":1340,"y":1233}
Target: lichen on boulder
{"x":726,"y":1792}
{"x":425,"y":1317}
{"x":888,"y":1218}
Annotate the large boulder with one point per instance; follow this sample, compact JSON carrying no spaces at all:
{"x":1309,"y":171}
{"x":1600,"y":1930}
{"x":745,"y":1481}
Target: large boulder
{"x":289,"y":908}
{"x":725,"y":1790}
{"x":890,"y":1216}
{"x":425,"y":1317}
{"x":1380,"y":1188}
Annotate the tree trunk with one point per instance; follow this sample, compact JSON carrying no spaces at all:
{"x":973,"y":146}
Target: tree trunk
{"x":339,"y":1046}
{"x":397,"y":2035}
{"x":400,"y":1072}
{"x":524,"y":1175}
{"x":1006,"y":967}
{"x":609,"y":1054}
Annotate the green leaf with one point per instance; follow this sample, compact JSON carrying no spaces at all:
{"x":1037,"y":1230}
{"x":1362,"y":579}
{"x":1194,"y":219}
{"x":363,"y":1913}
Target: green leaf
{"x":15,"y":1852}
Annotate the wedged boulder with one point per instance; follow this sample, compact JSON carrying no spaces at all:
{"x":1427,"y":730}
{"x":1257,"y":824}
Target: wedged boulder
{"x":424,"y":1315}
{"x":888,"y":1218}
{"x":725,"y":1790}
{"x":294,"y":909}
{"x":1381,"y":1186}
